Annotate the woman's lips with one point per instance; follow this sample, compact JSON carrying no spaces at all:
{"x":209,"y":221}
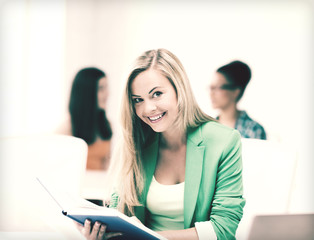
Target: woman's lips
{"x":156,"y":118}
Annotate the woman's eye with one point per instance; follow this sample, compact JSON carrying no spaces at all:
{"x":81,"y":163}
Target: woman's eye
{"x":157,"y":94}
{"x":137,"y":100}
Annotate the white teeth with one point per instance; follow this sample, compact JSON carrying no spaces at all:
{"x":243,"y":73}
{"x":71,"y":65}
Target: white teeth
{"x":155,"y":118}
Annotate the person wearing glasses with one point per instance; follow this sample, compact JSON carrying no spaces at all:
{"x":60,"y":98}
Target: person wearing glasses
{"x":226,"y":90}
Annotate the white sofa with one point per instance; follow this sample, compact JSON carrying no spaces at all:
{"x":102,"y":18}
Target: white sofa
{"x":269,"y":175}
{"x":27,"y":211}
{"x":269,"y":178}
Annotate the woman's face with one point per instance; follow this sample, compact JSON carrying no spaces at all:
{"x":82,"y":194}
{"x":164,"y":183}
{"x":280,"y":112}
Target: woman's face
{"x":155,"y":100}
{"x":102,"y":93}
{"x":221,"y":96}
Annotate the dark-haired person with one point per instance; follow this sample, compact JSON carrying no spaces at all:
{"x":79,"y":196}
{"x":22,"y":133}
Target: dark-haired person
{"x":88,"y":119}
{"x":226,"y":89}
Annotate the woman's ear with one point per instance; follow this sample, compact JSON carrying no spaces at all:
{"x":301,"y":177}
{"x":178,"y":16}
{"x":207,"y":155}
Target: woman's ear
{"x":236,"y":94}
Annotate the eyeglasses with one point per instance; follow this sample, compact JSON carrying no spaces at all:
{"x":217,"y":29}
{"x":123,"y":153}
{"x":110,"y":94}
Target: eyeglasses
{"x":228,"y":87}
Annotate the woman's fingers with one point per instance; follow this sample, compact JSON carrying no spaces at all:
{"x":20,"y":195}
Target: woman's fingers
{"x":95,"y":230}
{"x":87,"y":228}
{"x":102,"y":231}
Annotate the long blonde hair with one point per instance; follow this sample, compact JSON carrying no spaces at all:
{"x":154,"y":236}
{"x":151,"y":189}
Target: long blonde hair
{"x":136,"y":134}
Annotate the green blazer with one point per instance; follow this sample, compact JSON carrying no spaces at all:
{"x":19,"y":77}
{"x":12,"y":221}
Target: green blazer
{"x":213,"y":178}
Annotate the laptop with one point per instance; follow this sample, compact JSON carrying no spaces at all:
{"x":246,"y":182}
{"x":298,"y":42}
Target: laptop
{"x":282,"y":227}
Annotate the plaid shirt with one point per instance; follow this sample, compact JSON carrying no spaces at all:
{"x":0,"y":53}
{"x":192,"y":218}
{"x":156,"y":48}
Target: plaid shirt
{"x":248,"y":128}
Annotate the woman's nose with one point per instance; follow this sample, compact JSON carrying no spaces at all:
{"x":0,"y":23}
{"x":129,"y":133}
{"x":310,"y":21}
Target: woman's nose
{"x":150,"y":106}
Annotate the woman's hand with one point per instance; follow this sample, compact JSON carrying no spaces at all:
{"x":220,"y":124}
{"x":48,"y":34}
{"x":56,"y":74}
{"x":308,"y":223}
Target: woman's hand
{"x":96,"y":232}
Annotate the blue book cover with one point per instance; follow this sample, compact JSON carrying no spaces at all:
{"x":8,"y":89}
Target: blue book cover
{"x":79,"y":209}
{"x":115,"y":221}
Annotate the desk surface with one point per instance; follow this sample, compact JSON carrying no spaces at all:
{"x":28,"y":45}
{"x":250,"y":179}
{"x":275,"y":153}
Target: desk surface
{"x":31,"y":235}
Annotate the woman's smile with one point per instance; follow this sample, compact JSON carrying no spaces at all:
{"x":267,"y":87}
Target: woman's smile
{"x":156,"y":118}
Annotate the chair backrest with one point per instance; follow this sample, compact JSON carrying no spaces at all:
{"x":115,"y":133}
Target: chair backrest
{"x":58,"y":159}
{"x":268,"y":175}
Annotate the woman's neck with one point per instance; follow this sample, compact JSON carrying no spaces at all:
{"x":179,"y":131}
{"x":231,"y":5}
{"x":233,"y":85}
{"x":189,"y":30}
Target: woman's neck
{"x":173,"y":139}
{"x":229,"y":116}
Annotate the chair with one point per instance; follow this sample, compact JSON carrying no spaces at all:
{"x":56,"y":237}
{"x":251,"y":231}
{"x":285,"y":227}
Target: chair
{"x":268,"y":176}
{"x":26,"y":209}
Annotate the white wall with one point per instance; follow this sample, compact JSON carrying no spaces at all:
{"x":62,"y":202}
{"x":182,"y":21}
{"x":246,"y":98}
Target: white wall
{"x":32,"y":65}
{"x":274,"y":37}
{"x":44,"y":43}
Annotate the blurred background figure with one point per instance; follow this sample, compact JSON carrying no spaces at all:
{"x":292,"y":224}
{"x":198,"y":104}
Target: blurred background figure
{"x":226,"y":89}
{"x":88,"y":119}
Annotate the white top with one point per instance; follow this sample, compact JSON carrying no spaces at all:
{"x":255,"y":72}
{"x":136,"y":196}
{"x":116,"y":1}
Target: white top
{"x":165,"y":204}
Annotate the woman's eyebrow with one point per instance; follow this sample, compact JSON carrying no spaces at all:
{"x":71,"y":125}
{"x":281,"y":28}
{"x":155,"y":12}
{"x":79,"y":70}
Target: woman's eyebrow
{"x":153,"y":89}
{"x":133,"y":95}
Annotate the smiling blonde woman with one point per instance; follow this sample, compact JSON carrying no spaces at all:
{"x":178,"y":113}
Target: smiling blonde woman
{"x":179,"y":171}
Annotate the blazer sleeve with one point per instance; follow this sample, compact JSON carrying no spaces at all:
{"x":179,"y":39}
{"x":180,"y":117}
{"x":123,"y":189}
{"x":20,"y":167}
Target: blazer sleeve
{"x":114,"y":200}
{"x":228,"y":203}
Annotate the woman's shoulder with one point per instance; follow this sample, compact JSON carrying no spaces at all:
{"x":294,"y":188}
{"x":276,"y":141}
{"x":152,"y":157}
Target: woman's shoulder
{"x":216,"y":133}
{"x":216,"y":128}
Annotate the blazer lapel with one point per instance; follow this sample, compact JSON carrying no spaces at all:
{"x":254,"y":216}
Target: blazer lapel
{"x":193,"y":174}
{"x":150,"y":156}
{"x":193,"y":171}
{"x":149,"y":161}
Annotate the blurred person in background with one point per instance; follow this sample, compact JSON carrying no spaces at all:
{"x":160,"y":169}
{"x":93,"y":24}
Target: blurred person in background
{"x":88,"y":119}
{"x":226,"y":89}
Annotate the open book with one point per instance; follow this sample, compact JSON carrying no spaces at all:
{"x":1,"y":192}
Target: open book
{"x":80,"y":209}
